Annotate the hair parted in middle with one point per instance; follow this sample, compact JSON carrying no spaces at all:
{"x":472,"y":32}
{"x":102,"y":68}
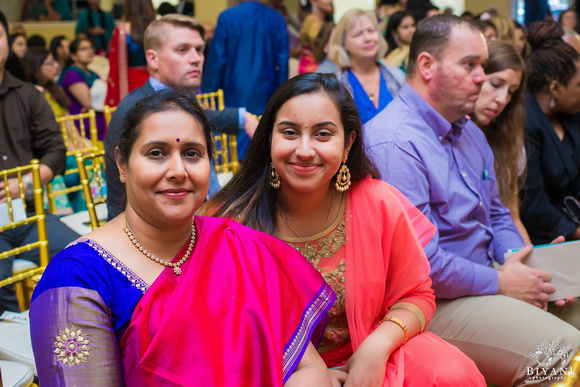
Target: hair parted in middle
{"x":248,"y":197}
{"x":505,"y":133}
{"x":337,"y":53}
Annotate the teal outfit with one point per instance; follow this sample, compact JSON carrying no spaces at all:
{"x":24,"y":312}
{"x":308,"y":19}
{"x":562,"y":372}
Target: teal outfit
{"x":88,"y":19}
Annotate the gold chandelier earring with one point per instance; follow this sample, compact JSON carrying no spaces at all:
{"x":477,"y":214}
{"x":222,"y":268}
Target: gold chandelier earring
{"x":274,"y":177}
{"x":343,"y":178}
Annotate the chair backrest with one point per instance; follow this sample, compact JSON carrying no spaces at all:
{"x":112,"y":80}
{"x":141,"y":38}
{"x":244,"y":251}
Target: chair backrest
{"x":74,"y":130}
{"x":92,"y":173}
{"x":108,"y":113}
{"x":226,"y":146}
{"x":15,"y":204}
{"x":77,"y":140}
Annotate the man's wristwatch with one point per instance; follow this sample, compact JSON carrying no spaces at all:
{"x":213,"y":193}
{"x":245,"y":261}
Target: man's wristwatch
{"x":29,"y":189}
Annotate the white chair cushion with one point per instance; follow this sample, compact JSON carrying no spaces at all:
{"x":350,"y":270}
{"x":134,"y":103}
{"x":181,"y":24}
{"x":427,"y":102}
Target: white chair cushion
{"x":21,"y":265}
{"x":15,"y":344}
{"x":15,"y":374}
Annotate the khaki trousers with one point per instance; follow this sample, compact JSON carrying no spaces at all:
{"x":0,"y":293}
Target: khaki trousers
{"x":512,"y":342}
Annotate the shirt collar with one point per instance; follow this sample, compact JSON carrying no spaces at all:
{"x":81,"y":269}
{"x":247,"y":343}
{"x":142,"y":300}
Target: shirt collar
{"x":156,"y":84}
{"x":9,"y":82}
{"x":440,"y":126}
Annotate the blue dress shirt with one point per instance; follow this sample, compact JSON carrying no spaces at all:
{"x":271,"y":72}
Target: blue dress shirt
{"x":446,"y":170}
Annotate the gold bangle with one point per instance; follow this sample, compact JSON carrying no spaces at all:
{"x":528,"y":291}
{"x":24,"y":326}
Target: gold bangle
{"x":399,"y":323}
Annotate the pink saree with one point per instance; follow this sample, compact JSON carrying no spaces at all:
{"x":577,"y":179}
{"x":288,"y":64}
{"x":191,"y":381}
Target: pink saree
{"x":241,"y":314}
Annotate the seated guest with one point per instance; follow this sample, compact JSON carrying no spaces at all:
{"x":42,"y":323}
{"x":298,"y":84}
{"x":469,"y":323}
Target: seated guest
{"x":157,"y":296}
{"x":424,"y":146}
{"x":36,"y":41}
{"x":41,"y":68}
{"x":128,"y":65}
{"x":168,"y":71}
{"x":520,"y":33}
{"x":27,"y":131}
{"x":307,"y":180}
{"x":14,"y":66}
{"x":322,"y":14}
{"x":97,"y":23}
{"x":499,"y":112}
{"x":356,"y":48}
{"x":399,"y":33}
{"x":568,"y":19}
{"x":488,"y":29}
{"x":17,"y":44}
{"x":83,"y":87}
{"x":553,"y":132}
{"x":60,"y":50}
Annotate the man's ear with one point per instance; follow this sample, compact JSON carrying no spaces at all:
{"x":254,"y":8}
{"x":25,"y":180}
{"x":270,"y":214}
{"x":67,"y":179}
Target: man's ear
{"x":426,"y":65}
{"x":152,"y":59}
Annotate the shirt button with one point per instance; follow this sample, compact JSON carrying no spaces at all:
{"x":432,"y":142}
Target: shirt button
{"x":480,"y":203}
{"x":464,"y":174}
{"x":440,"y":138}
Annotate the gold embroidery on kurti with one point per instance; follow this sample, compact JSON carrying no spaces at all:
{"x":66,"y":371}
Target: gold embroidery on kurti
{"x":72,"y":346}
{"x":336,"y":333}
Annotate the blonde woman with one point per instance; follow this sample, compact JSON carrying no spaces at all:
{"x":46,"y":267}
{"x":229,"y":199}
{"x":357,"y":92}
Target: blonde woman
{"x":356,"y":49}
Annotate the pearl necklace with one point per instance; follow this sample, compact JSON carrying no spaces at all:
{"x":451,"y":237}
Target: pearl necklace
{"x":175,"y":266}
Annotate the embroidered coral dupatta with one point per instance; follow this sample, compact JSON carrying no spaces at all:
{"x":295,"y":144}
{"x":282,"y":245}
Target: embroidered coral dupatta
{"x":385,"y":262}
{"x":241,"y":314}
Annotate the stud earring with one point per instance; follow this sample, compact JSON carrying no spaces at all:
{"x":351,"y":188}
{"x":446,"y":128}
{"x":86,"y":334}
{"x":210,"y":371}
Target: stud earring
{"x":274,"y":177}
{"x":343,"y":177}
{"x":122,"y":178}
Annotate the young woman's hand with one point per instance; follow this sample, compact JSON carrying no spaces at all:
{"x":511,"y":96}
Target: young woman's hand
{"x":367,"y":366}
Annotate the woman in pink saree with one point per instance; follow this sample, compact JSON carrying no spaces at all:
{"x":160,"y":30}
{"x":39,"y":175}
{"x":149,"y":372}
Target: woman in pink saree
{"x":157,"y":296}
{"x":307,"y":180}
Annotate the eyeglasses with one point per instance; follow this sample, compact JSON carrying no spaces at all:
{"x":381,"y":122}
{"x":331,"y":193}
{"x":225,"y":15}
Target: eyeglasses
{"x":50,"y":63}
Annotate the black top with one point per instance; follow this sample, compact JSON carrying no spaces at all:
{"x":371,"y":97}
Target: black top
{"x":27,"y":127}
{"x":553,"y":173}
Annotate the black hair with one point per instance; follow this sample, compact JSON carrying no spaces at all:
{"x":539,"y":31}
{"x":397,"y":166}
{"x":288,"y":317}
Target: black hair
{"x":55,"y":44}
{"x":36,"y":41}
{"x":249,"y":193}
{"x":163,"y":101}
{"x":394,"y":22}
{"x":4,"y":23}
{"x":551,"y":58}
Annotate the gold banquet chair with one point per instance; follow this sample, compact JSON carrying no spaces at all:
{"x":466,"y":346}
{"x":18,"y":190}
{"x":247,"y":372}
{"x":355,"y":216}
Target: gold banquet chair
{"x":226,"y":145}
{"x":17,"y":365}
{"x":15,"y":221}
{"x":92,"y":172}
{"x":108,"y":113}
{"x":74,"y":130}
{"x":571,"y":378}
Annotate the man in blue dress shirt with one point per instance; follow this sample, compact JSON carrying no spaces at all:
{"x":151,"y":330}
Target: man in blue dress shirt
{"x":425,"y":147}
{"x":248,"y":58}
